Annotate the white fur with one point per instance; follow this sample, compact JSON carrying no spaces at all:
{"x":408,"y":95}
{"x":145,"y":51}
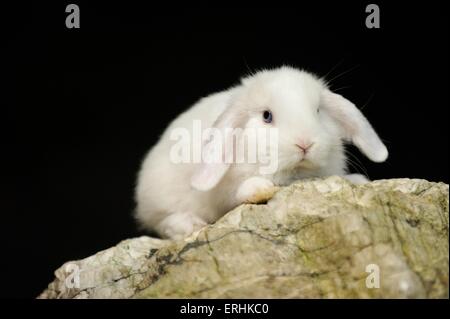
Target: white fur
{"x":177,"y":199}
{"x":251,"y":187}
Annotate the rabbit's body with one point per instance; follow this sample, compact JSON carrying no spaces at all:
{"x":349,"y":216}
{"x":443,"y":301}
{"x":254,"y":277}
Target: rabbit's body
{"x":174,"y":199}
{"x":164,"y":187}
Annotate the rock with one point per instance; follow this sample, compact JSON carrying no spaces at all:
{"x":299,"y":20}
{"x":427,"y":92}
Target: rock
{"x":321,"y":238}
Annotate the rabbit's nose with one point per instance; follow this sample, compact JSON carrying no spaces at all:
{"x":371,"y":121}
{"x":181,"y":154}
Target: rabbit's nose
{"x":304,"y":146}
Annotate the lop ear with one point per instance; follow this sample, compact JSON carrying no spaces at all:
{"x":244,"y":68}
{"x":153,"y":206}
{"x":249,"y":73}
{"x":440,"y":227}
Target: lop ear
{"x":356,"y":128}
{"x":218,"y":151}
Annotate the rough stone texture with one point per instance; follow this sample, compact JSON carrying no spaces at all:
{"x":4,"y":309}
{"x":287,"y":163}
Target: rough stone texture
{"x":313,"y":239}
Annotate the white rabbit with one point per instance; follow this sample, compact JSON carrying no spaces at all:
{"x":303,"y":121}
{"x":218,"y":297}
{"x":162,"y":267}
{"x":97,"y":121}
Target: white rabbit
{"x":175,"y":199}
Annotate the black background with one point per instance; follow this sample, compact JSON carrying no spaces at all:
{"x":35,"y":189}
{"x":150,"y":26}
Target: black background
{"x":88,"y":103}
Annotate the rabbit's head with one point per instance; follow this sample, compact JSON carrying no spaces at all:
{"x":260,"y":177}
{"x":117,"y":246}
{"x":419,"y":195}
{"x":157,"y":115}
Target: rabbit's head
{"x":311,"y":122}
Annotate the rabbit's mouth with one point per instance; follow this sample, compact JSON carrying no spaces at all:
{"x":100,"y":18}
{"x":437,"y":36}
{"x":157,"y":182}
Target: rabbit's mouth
{"x":305,"y":162}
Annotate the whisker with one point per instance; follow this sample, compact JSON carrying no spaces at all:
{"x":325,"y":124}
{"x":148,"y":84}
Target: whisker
{"x":342,"y":88}
{"x":368,"y":101}
{"x":333,"y":68}
{"x":343,"y":73}
{"x":250,"y":72}
{"x":357,"y":163}
{"x":352,"y":165}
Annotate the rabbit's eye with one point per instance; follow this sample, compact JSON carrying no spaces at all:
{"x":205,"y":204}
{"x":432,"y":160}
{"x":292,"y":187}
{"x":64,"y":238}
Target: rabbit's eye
{"x":267,"y":116}
{"x":318,"y":110}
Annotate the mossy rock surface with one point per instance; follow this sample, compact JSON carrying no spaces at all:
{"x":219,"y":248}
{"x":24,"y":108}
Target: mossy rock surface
{"x":320,"y":238}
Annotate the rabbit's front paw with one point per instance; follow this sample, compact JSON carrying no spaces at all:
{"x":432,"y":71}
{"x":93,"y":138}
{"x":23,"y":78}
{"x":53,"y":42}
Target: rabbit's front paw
{"x":255,"y":190}
{"x":179,"y":225}
{"x":357,"y":179}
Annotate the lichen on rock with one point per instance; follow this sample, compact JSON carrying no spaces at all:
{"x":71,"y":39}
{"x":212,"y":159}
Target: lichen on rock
{"x":319,"y":238}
